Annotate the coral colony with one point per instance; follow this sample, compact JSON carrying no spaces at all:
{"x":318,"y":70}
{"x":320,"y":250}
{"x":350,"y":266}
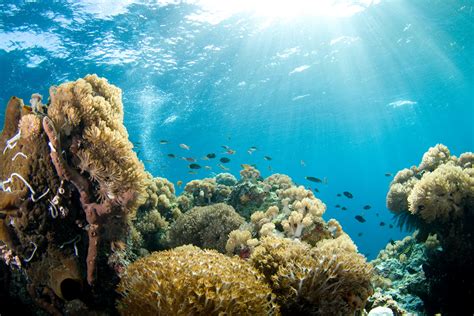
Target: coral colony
{"x":83,"y":227}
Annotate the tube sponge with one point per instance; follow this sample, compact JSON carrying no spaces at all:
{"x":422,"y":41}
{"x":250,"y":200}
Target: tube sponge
{"x":191,"y":281}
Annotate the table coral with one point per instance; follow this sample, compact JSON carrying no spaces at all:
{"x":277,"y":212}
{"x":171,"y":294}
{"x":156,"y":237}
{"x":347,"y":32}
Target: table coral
{"x":191,"y":281}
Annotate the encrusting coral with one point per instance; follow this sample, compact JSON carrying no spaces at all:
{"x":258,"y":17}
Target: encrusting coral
{"x":328,"y":279}
{"x":191,"y":281}
{"x":205,"y":227}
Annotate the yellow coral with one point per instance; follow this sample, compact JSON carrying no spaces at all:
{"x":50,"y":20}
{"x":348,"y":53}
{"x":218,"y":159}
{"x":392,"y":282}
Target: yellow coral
{"x":190,"y":281}
{"x":434,"y":157}
{"x":30,"y":126}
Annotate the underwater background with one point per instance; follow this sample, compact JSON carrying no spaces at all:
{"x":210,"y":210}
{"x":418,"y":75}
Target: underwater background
{"x":349,"y":92}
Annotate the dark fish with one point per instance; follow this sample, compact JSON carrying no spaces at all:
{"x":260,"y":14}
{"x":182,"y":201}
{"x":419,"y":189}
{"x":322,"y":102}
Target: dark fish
{"x":171,"y":156}
{"x":338,"y":195}
{"x":267,"y":158}
{"x":391,"y":241}
{"x":388,"y":174}
{"x":225,"y":147}
{"x":224,"y":160}
{"x":360,"y":218}
{"x":211,"y":156}
{"x":390,"y":226}
{"x":313,"y":179}
{"x":367,"y":207}
{"x":382,"y":224}
{"x":316,"y":190}
{"x":344,"y":208}
{"x":189,"y":159}
{"x":359,"y":234}
{"x":163,"y":142}
{"x":194,"y":166}
{"x":338,"y":206}
{"x":348,"y":194}
{"x":253,"y":148}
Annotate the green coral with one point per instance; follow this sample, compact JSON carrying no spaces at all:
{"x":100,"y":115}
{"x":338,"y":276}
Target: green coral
{"x":191,"y":281}
{"x":205,"y":227}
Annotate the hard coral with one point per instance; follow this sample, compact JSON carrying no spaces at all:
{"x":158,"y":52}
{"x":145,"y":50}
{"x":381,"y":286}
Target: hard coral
{"x":205,"y":227}
{"x":190,"y":281}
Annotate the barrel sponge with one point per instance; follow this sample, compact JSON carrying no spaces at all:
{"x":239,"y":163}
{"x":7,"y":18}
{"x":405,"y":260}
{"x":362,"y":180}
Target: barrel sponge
{"x":434,"y":157}
{"x":329,"y":279}
{"x":191,"y":281}
{"x":442,"y":194}
{"x":400,"y":188}
{"x":205,"y":227}
{"x":90,"y":111}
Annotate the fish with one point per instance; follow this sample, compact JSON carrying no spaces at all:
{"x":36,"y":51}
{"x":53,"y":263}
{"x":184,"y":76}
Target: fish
{"x":359,"y":234}
{"x":230,"y":151}
{"x":250,"y":152}
{"x":390,"y":226}
{"x":348,"y":194}
{"x":224,"y":160}
{"x":208,"y":167}
{"x":377,"y":214}
{"x":194,"y":166}
{"x":171,"y":155}
{"x":302,"y":163}
{"x":269,"y":168}
{"x":338,"y":195}
{"x":253,"y":148}
{"x":337,"y":206}
{"x":344,"y":208}
{"x":163,"y":142}
{"x":189,"y":159}
{"x":192,"y":172}
{"x":225,"y":147}
{"x":382,"y":223}
{"x":267,"y":158}
{"x":313,"y":179}
{"x":211,"y":155}
{"x":184,"y":146}
{"x":179,"y":183}
{"x":360,"y":218}
{"x":388,"y":174}
{"x":147,"y":160}
{"x":316,"y":190}
{"x":367,"y":207}
{"x":223,"y":167}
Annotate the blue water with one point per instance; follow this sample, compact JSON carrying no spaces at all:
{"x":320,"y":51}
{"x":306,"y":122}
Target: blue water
{"x":353,"y":96}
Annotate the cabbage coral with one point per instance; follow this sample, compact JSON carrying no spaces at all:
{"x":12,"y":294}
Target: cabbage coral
{"x":190,"y":281}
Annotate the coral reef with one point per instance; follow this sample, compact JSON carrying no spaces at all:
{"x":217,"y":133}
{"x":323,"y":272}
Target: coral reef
{"x":328,"y":279}
{"x":70,"y":183}
{"x":437,"y":197}
{"x":190,"y":281}
{"x":205,"y":227}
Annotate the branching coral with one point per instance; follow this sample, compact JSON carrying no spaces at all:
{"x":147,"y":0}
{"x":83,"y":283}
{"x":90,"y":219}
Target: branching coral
{"x":190,"y":281}
{"x":205,"y":227}
{"x":329,"y":279}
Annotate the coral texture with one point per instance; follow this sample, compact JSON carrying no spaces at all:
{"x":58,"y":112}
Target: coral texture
{"x":190,"y":281}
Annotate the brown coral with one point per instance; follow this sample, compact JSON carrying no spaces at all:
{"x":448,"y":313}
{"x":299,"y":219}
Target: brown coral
{"x":190,"y":281}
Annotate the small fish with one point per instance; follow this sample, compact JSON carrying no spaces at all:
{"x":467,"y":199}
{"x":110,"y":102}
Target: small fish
{"x":382,"y":223}
{"x":360,"y":218}
{"x":171,"y":155}
{"x":269,"y":168}
{"x":211,"y":155}
{"x":208,"y":167}
{"x":390,"y":226}
{"x":302,"y":163}
{"x":184,"y":146}
{"x":344,"y":208}
{"x":388,"y":174}
{"x":313,"y":179}
{"x":225,"y":147}
{"x":230,"y":151}
{"x":192,"y":172}
{"x":267,"y":158}
{"x":348,"y":194}
{"x":337,"y":206}
{"x":179,"y":183}
{"x":377,"y":214}
{"x":194,"y":166}
{"x":189,"y":159}
{"x":224,"y":160}
{"x":253,"y":148}
{"x":163,"y":142}
{"x":250,"y":152}
{"x":338,"y":195}
{"x":367,"y":207}
{"x":316,"y":190}
{"x":391,"y":241}
{"x":147,"y":160}
{"x":359,"y":234}
{"x":223,"y":167}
